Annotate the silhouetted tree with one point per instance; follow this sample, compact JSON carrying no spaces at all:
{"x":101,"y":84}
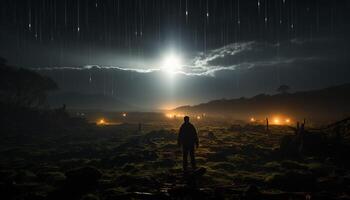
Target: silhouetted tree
{"x":283,"y":89}
{"x":23,"y":87}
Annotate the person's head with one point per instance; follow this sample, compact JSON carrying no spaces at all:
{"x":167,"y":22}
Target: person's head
{"x":186,"y":119}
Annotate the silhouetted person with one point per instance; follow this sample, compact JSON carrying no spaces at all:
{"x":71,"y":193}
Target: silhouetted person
{"x":188,"y":139}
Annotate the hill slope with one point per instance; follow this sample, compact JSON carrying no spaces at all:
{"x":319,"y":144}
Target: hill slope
{"x":326,"y":104}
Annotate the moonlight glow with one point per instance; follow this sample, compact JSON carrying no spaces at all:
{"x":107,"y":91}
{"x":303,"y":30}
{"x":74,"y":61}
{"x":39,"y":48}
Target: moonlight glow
{"x":171,"y":63}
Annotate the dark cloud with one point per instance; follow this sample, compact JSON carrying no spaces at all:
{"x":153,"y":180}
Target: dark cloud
{"x":229,"y":48}
{"x":256,"y":53}
{"x":260,"y":70}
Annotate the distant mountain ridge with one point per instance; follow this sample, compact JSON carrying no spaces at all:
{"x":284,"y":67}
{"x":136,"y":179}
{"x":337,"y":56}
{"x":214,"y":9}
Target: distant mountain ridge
{"x":83,"y":101}
{"x":324,"y":104}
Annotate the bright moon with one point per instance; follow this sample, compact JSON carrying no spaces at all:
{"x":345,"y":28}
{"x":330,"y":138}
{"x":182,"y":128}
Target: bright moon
{"x":171,"y":63}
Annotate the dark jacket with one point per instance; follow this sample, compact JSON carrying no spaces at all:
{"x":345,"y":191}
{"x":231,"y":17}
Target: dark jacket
{"x":188,"y":136}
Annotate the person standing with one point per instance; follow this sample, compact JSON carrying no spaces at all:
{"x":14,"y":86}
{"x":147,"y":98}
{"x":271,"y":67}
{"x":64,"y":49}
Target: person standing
{"x":188,"y":139}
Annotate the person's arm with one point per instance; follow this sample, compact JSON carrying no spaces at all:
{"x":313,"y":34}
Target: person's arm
{"x":179,"y":137}
{"x":196,"y":137}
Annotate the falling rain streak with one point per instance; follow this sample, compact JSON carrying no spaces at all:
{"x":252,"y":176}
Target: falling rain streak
{"x":89,"y":32}
{"x":135,"y":26}
{"x":131,"y":24}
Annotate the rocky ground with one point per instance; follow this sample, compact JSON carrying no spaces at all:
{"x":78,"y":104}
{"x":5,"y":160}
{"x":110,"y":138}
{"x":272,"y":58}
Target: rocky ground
{"x":118,"y":162}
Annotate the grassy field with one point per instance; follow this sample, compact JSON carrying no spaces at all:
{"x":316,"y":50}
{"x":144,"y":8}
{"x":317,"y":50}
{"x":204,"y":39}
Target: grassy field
{"x":120,"y":161}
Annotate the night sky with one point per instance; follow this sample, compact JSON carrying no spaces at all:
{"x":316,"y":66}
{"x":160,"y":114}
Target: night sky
{"x":164,"y":53}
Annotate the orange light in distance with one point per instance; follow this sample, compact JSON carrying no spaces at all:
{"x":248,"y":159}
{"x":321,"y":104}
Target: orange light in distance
{"x":276,"y":121}
{"x":101,"y":122}
{"x":252,"y":119}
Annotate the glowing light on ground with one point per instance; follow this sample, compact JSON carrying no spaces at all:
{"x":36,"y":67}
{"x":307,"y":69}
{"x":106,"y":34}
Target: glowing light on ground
{"x":174,"y":115}
{"x":276,"y":121}
{"x":101,"y":122}
{"x":252,"y":119}
{"x":169,"y":115}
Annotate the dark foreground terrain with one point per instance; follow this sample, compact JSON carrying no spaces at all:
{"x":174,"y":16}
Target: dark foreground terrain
{"x":120,"y":162}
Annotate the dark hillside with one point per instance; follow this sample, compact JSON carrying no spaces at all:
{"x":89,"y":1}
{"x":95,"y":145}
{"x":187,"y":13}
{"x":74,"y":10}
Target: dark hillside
{"x":326,"y":104}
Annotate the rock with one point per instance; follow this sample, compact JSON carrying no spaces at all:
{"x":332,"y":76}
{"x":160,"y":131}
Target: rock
{"x":78,"y":182}
{"x":289,"y":146}
{"x":235,"y":127}
{"x":7,"y":190}
{"x":330,"y":184}
{"x":129,"y":168}
{"x":84,"y":178}
{"x":227,"y":166}
{"x":222,"y":154}
{"x":90,"y":197}
{"x":34,"y":197}
{"x":315,"y":143}
{"x":168,"y":163}
{"x":149,"y":155}
{"x":24,"y":176}
{"x":181,"y":192}
{"x":52,"y":178}
{"x":123,"y":159}
{"x":132,"y":157}
{"x":7,"y":176}
{"x":308,"y":143}
{"x":292,"y":181}
{"x":211,"y":135}
{"x":137,"y":181}
{"x":252,"y":193}
{"x":113,"y":193}
{"x":288,"y":164}
{"x":161,"y":134}
{"x":170,"y":147}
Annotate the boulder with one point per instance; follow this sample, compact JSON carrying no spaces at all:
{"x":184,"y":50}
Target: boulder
{"x":90,"y":197}
{"x":137,"y":181}
{"x":293,"y":181}
{"x":252,"y":193}
{"x":84,"y":177}
{"x":211,"y":135}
